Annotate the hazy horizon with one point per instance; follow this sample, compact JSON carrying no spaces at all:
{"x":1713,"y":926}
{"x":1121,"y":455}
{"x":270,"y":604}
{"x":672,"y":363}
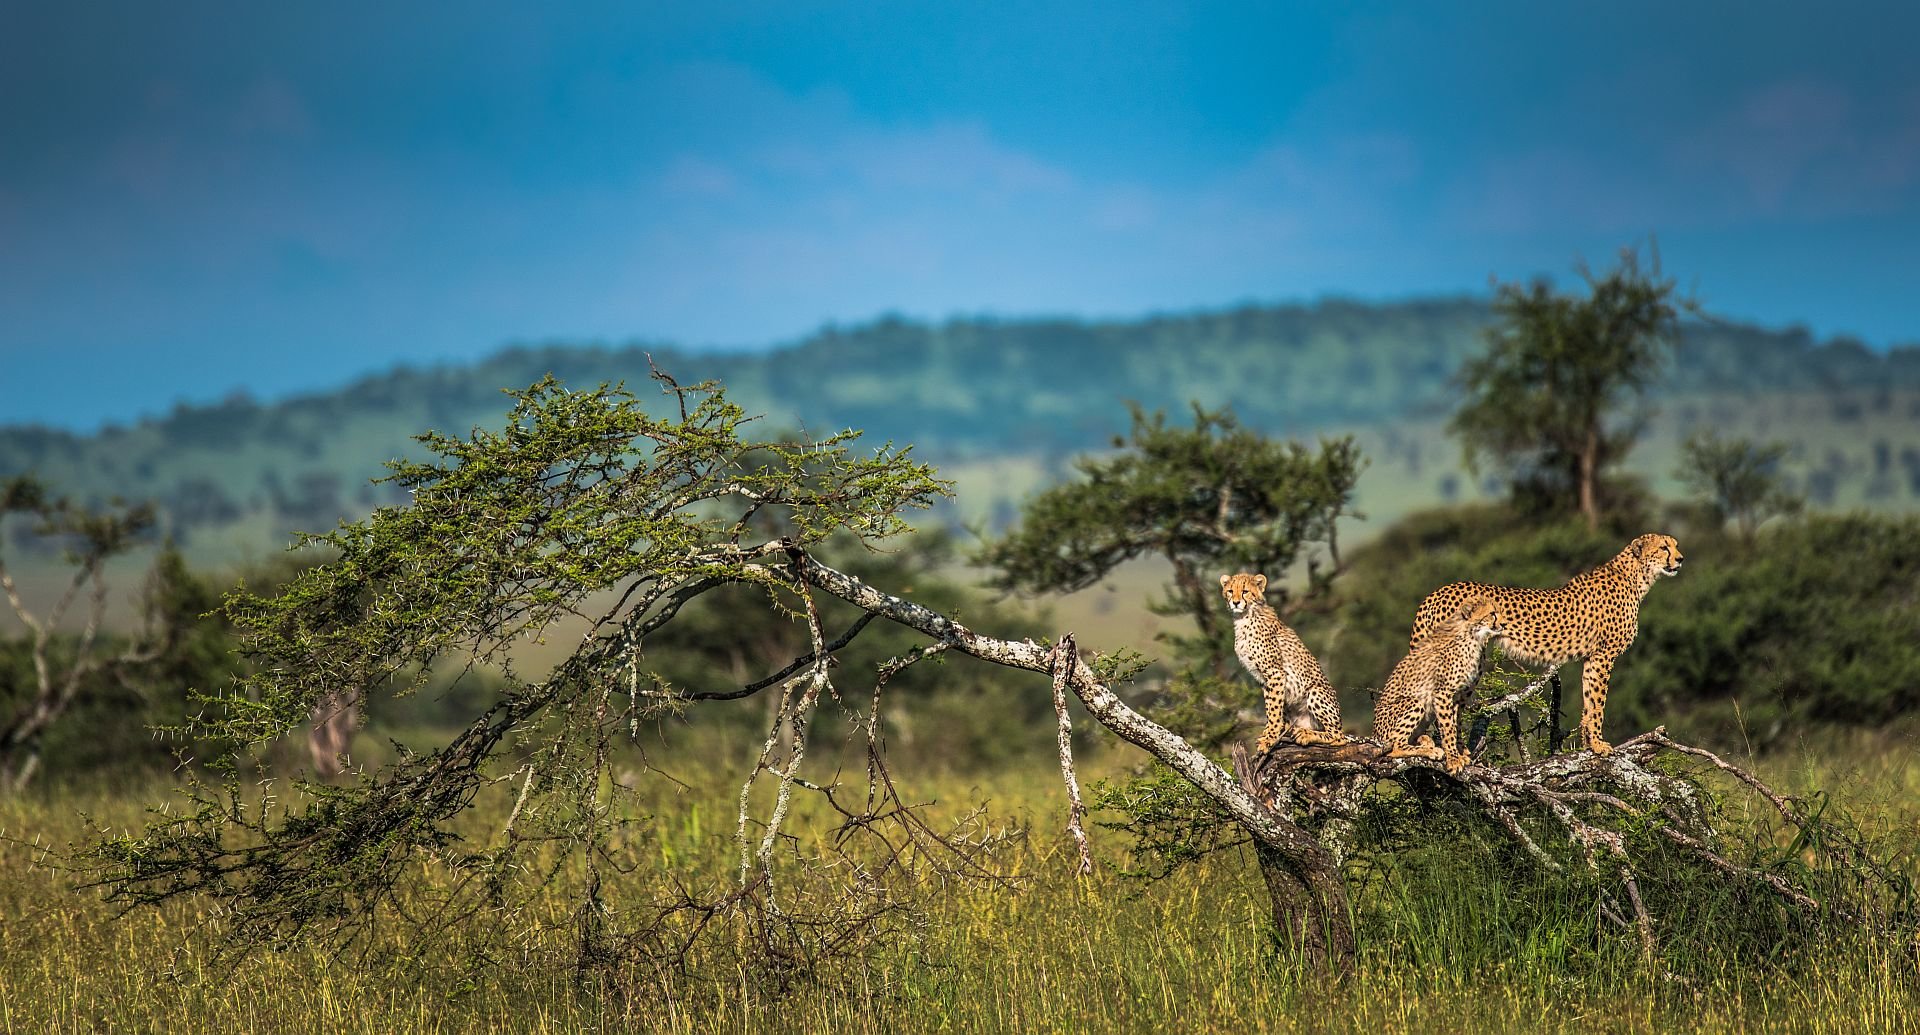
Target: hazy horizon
{"x":159,"y":409}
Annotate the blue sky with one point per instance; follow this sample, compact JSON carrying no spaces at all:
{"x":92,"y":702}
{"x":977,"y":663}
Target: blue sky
{"x":198,"y":197}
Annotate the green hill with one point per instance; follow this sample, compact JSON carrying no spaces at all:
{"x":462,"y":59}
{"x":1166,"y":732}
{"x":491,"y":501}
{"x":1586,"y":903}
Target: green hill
{"x":1000,"y":404}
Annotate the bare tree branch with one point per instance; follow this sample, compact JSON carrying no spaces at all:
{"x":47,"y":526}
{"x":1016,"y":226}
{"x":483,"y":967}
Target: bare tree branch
{"x":795,"y":665}
{"x":1064,"y":655}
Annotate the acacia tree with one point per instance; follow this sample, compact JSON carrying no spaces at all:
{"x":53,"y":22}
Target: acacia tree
{"x":1739,"y":479}
{"x":1210,"y":498}
{"x":1549,"y":402}
{"x":585,"y":508}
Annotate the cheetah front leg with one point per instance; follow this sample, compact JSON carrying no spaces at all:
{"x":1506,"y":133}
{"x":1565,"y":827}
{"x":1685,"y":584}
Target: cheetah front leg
{"x":1446,"y":727}
{"x":1593,"y":698}
{"x":1276,"y":729}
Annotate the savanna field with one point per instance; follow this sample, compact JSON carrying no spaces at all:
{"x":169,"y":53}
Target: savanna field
{"x":632,"y":758}
{"x":1457,"y":938}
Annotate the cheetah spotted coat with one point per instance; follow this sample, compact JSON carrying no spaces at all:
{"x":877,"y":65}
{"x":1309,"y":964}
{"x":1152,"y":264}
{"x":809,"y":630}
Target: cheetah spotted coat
{"x":1432,"y":682}
{"x":1594,"y":616}
{"x":1302,"y":707}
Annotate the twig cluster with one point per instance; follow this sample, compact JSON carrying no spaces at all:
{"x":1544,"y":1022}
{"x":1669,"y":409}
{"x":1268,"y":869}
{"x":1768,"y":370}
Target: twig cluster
{"x":1593,"y":809}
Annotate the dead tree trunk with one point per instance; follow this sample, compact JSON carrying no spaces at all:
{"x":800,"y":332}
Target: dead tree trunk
{"x":1310,"y":907}
{"x":1308,"y":893}
{"x":1588,"y":475}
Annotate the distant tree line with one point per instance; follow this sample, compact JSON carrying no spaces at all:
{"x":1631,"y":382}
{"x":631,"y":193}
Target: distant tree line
{"x":980,"y":387}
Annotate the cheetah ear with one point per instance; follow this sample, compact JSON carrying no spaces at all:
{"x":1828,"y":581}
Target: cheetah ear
{"x":1643,"y":544}
{"x":1224,"y":579}
{"x":1260,"y":583}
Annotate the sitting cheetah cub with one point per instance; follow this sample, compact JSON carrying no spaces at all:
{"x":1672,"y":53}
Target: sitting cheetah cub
{"x":1302,"y":707}
{"x":1432,"y":682}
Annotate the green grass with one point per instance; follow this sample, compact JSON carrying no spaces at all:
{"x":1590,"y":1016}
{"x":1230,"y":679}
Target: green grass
{"x":1448,"y":944}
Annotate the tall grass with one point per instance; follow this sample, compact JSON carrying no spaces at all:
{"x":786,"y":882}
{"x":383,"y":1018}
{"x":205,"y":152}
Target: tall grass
{"x":1452,"y":940}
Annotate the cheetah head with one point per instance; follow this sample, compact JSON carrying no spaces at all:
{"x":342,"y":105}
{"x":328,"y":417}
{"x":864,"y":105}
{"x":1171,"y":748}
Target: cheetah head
{"x":1481,"y":619}
{"x":1659,"y":553}
{"x":1243,"y":589}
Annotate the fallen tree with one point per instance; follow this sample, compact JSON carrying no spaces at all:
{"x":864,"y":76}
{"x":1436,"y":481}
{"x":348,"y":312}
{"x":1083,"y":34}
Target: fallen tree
{"x":1603,"y":809}
{"x":586,"y":508}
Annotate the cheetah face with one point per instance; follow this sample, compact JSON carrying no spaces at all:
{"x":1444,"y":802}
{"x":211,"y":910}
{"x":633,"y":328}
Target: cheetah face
{"x":1243,"y":589}
{"x":1481,"y":619}
{"x":1660,"y":553}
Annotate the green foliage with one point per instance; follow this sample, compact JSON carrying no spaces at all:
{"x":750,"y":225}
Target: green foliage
{"x":1442,"y":886}
{"x":1212,"y":498}
{"x":583,"y":503}
{"x":1168,"y":822}
{"x":1206,"y":710}
{"x":1812,"y":624}
{"x":508,"y":532}
{"x":109,"y":727}
{"x":1740,"y":480}
{"x":947,"y":715}
{"x":86,"y":535}
{"x":1544,"y":402}
{"x":63,"y":663}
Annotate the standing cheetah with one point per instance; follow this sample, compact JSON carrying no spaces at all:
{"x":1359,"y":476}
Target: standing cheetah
{"x":1594,"y":616}
{"x":1302,"y":707}
{"x":1431,"y":683}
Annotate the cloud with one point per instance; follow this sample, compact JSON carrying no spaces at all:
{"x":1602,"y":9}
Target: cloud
{"x":954,"y":158}
{"x":1772,"y":141}
{"x":1803,"y":149}
{"x":766,"y":234}
{"x":1789,"y":152}
{"x":689,"y":176}
{"x":1551,"y":191}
